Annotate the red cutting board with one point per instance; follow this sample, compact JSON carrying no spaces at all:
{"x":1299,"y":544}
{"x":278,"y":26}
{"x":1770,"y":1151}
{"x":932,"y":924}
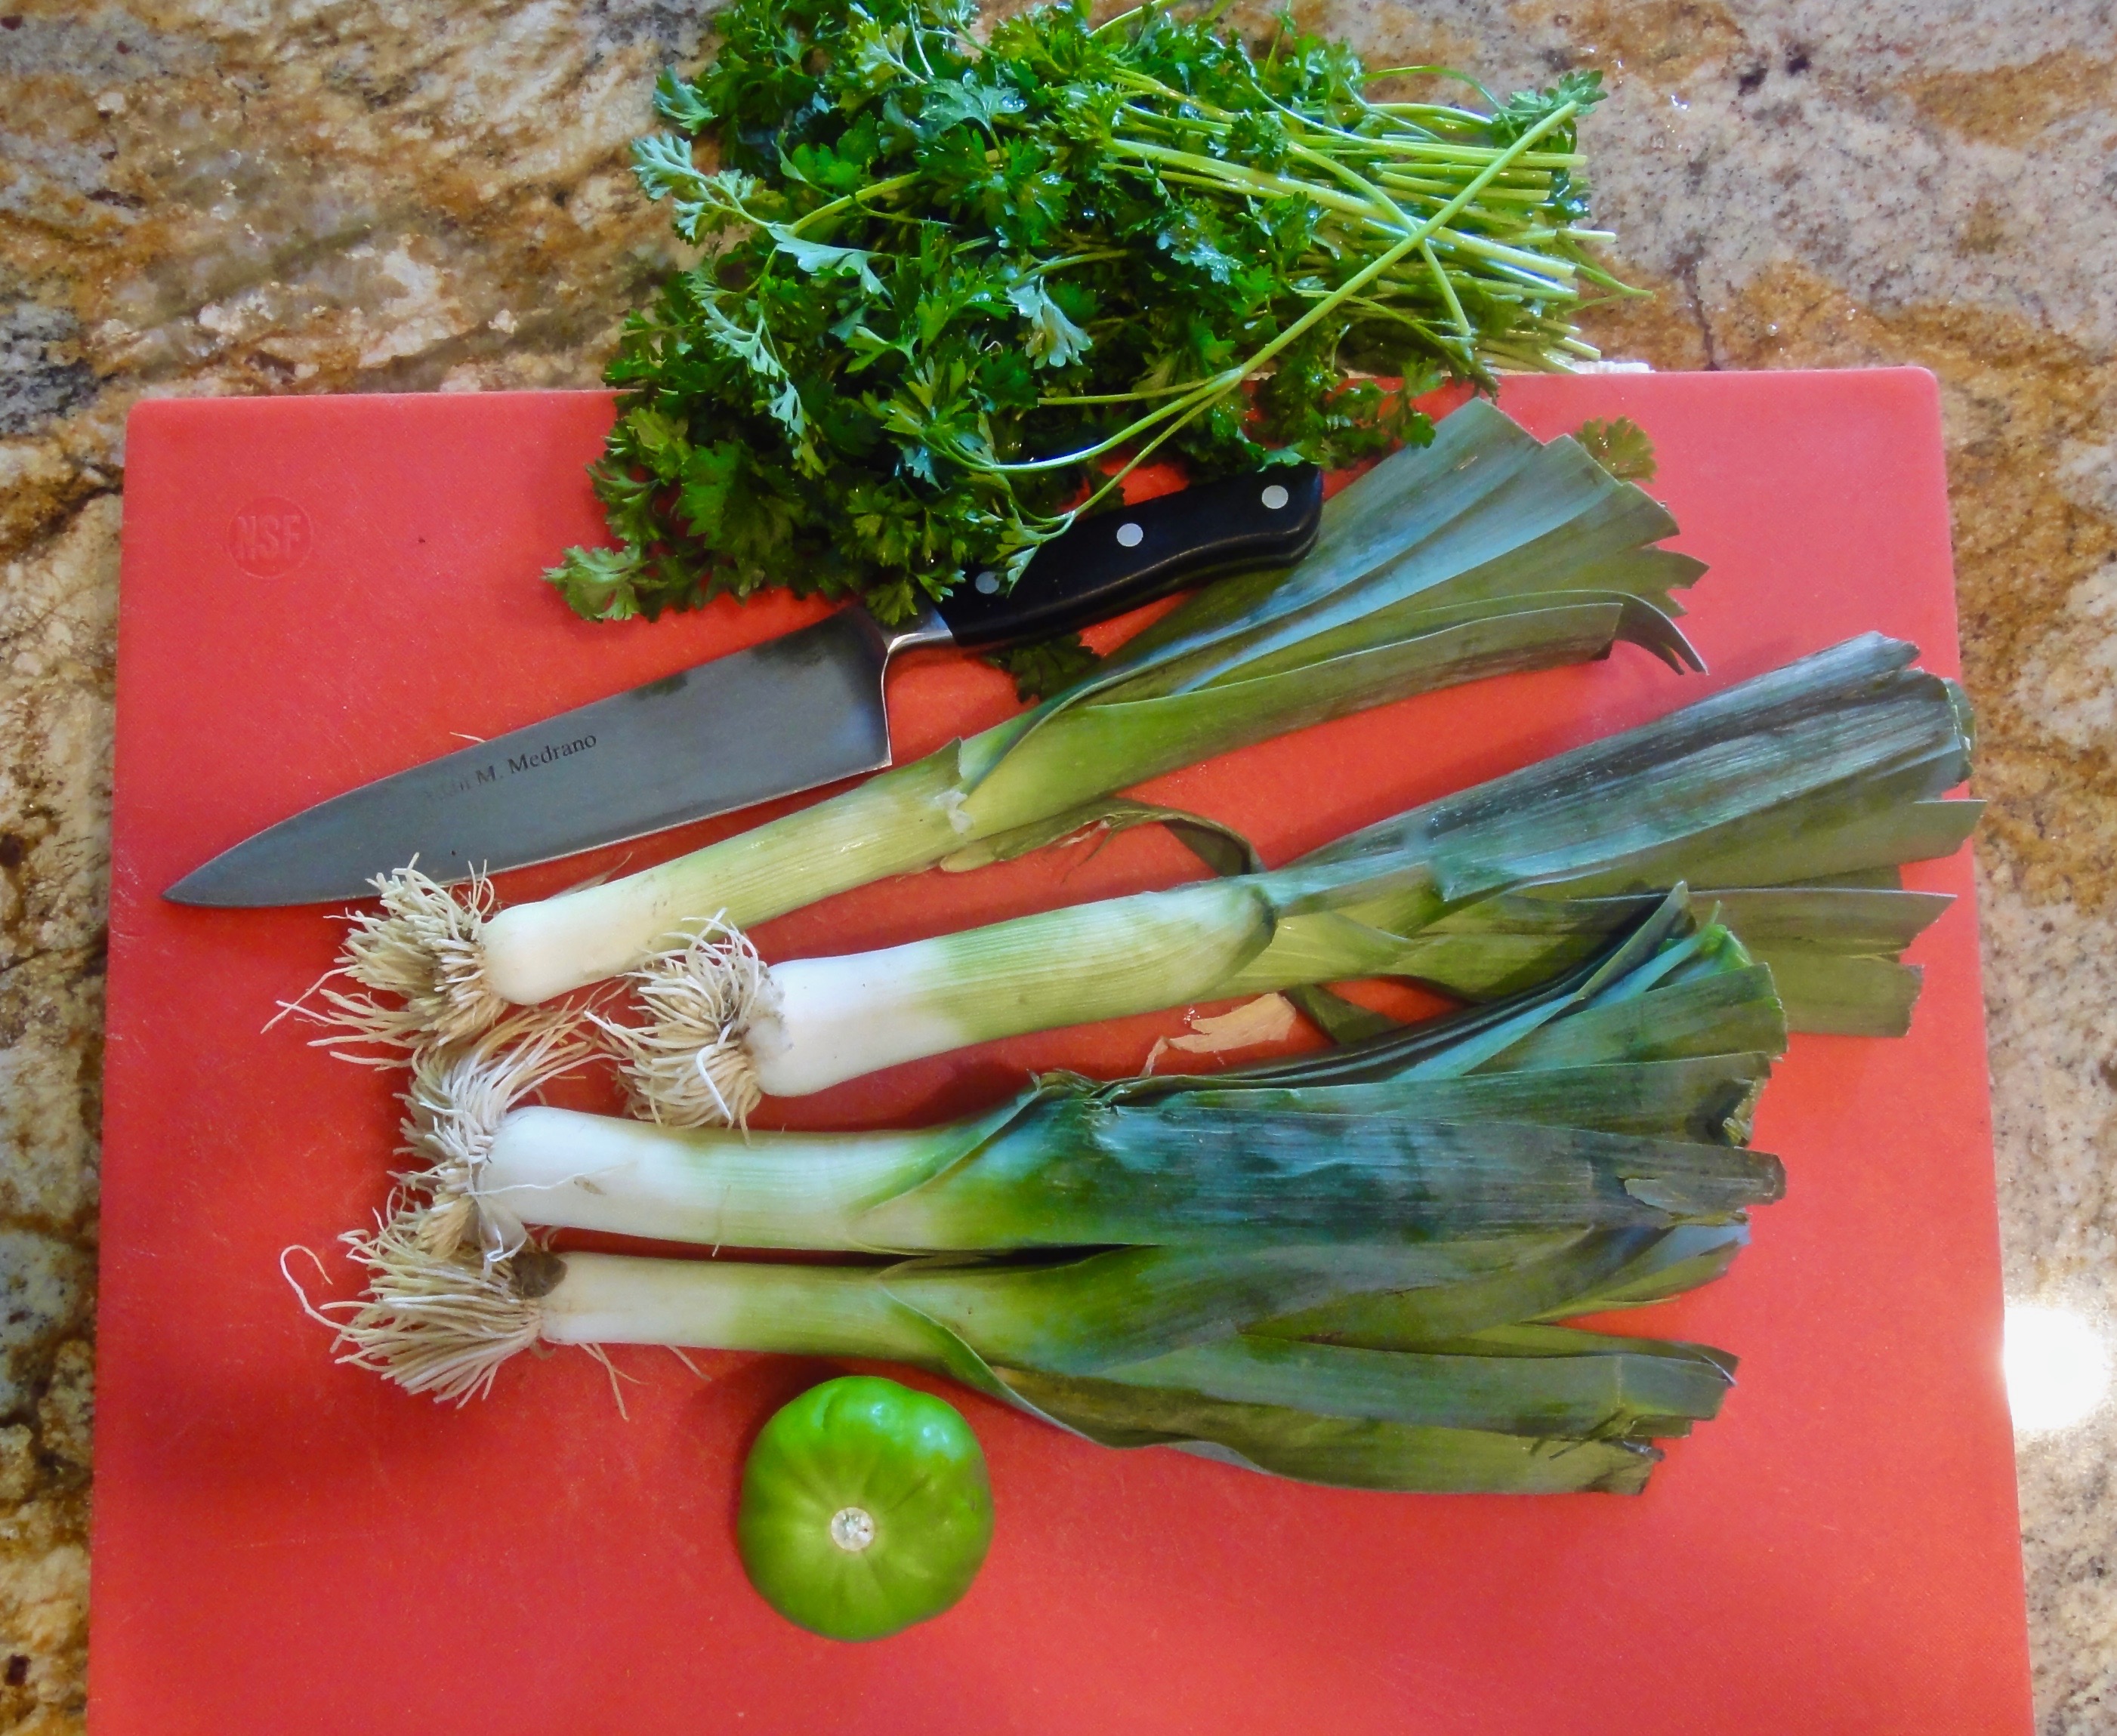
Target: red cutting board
{"x":318,"y":591}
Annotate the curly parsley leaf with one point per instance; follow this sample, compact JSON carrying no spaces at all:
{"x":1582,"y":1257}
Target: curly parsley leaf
{"x":1525,"y":108}
{"x":1054,"y":341}
{"x":599,"y":584}
{"x":680,"y":103}
{"x":1620,"y":447}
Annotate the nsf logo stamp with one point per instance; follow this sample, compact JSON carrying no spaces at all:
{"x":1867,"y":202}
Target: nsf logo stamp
{"x":269,"y":537}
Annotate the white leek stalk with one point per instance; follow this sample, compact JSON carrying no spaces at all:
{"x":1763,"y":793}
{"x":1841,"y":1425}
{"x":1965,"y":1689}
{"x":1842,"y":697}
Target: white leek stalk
{"x":725,"y":1031}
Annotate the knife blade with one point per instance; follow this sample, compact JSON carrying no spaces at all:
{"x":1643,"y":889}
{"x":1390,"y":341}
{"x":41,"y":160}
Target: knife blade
{"x":795,"y":713}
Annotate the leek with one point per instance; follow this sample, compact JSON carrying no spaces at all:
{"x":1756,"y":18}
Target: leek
{"x":1825,"y":769}
{"x":1483,"y":554}
{"x":1545,"y":1115}
{"x":1127,"y":1347}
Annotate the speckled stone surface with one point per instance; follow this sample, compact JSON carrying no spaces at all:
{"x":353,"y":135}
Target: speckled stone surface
{"x":262,"y":195}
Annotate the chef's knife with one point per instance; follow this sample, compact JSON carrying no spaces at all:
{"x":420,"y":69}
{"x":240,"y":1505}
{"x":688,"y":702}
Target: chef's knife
{"x":796,"y":712}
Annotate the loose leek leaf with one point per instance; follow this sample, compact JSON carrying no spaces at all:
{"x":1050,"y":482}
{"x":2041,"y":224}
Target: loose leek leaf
{"x":1847,"y":996}
{"x":1679,"y":1260}
{"x":1498,"y":946}
{"x":1537,"y":1339}
{"x":1707,"y":1098}
{"x":1602,"y":1270}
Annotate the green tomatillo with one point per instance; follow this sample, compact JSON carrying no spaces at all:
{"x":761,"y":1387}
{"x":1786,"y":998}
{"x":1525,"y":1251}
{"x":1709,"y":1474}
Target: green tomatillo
{"x":865,"y":1507}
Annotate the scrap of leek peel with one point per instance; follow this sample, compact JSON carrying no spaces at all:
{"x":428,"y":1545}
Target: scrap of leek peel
{"x":1825,"y":769}
{"x":1484,"y":553}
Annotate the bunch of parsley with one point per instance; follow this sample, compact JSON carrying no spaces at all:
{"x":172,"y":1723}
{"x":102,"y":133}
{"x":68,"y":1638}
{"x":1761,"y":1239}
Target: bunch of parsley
{"x":949,"y":291}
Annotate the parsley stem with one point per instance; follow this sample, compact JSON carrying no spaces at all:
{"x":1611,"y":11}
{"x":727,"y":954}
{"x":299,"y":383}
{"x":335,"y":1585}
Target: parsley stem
{"x":1463,"y":117}
{"x":1353,"y":178}
{"x":1434,"y":71}
{"x":1379,"y":212}
{"x":1502,"y":252}
{"x":1212,"y":390}
{"x":1447,"y":290}
{"x":1124,"y":397}
{"x":895,"y":184}
{"x":1050,"y":266}
{"x":1211,"y":169}
{"x":1222,"y":382}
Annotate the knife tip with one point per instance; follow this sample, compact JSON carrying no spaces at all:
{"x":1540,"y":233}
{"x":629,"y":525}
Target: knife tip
{"x":220,"y":886}
{"x":193,"y":889}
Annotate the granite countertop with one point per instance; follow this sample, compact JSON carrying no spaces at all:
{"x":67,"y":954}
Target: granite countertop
{"x":205,"y":196}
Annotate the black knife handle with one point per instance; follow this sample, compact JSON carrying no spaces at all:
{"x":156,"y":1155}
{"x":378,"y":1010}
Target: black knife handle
{"x":1120,"y":558}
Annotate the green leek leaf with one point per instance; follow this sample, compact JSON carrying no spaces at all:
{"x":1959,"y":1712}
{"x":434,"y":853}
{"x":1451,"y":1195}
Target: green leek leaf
{"x":1345,"y":1452}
